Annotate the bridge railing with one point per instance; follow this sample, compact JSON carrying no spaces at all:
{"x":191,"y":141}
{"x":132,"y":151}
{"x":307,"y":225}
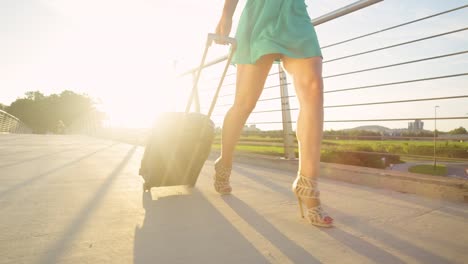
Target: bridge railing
{"x":367,"y":86}
{"x":11,"y":124}
{"x":350,"y":98}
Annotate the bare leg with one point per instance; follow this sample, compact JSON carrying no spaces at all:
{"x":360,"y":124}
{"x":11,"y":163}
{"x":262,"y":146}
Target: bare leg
{"x":307,"y":76}
{"x":250,"y":82}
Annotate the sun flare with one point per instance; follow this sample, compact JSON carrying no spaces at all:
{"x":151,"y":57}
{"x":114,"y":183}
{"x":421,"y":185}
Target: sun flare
{"x":126,"y":61}
{"x":138,"y":108}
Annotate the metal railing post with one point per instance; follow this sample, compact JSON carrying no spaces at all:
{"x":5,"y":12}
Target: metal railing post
{"x":15,"y":127}
{"x":196,"y":97}
{"x":10,"y":121}
{"x":2,"y":120}
{"x":289,"y":148}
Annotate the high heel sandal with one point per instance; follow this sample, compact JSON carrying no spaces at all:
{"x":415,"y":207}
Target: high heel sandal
{"x":306,"y":188}
{"x":221,"y":178}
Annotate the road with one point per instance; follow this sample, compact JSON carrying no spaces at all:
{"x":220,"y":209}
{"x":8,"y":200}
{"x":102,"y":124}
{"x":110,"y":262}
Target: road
{"x":75,"y":199}
{"x":454,"y":169}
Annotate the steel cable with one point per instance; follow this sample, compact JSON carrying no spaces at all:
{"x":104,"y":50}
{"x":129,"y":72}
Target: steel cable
{"x":395,"y":45}
{"x":393,"y":27}
{"x":397,"y":64}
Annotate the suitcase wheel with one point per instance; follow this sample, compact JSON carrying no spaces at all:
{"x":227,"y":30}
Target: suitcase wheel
{"x":146,"y":187}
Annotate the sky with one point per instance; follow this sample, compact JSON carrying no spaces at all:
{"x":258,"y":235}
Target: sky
{"x":126,"y":55}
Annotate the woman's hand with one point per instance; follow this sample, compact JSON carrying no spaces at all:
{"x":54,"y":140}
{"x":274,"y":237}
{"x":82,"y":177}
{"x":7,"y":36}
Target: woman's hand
{"x":224,"y":28}
{"x":225,"y":23}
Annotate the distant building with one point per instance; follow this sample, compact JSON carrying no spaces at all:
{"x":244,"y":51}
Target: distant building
{"x":416,"y":126}
{"x":251,"y":128}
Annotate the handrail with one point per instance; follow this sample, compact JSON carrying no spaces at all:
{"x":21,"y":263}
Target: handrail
{"x":393,"y":27}
{"x":11,"y":124}
{"x":317,"y":21}
{"x":9,"y":115}
{"x":344,"y":11}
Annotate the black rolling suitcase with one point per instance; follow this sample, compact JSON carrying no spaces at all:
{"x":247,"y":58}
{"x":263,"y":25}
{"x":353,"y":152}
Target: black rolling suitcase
{"x":180,"y":142}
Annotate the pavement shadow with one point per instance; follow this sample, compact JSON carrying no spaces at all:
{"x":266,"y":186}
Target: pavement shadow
{"x":9,"y":138}
{"x":73,"y":229}
{"x":264,"y":181}
{"x":189,"y":229}
{"x":357,"y":244}
{"x":294,"y":252}
{"x":386,"y":238}
{"x":37,"y":157}
{"x":13,"y":153}
{"x":454,"y":212}
{"x":457,"y":209}
{"x":42,"y":175}
{"x":376,"y":254}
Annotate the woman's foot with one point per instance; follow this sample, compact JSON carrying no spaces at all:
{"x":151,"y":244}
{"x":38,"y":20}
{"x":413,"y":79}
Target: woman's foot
{"x":221,"y":178}
{"x":307,"y":192}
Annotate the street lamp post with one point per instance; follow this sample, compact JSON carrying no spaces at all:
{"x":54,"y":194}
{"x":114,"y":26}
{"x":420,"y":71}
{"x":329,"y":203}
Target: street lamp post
{"x":435,"y":131}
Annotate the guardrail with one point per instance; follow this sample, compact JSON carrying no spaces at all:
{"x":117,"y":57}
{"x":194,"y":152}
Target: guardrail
{"x":87,"y":124}
{"x":11,"y":124}
{"x":278,"y":80}
{"x":273,"y":101}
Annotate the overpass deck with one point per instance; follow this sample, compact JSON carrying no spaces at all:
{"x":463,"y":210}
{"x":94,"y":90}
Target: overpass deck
{"x":75,"y":199}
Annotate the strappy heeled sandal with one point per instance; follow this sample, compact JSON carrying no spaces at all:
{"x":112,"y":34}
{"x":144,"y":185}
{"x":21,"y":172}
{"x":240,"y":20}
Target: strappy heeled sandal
{"x":221,"y":178}
{"x":306,"y":188}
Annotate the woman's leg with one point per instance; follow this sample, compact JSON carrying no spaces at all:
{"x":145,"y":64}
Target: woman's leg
{"x":250,"y":81}
{"x":249,"y":85}
{"x":307,"y":77}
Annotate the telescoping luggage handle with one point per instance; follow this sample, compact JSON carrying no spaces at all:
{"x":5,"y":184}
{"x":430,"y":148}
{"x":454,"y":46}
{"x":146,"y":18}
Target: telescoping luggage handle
{"x":221,"y":39}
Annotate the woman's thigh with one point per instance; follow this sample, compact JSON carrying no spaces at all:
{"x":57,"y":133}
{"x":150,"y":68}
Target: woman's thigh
{"x":307,"y":75}
{"x":251,"y":80}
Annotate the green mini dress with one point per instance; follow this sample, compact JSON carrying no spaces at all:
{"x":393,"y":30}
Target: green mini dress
{"x":275,"y":26}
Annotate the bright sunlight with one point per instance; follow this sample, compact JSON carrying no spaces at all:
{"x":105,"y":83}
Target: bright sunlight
{"x":126,"y":61}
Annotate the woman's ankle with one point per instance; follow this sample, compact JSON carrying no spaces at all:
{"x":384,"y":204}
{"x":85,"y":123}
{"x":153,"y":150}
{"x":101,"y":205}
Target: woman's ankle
{"x":224,"y":162}
{"x":308,"y":174}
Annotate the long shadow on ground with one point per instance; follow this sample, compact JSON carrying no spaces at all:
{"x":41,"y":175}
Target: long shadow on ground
{"x":189,"y":229}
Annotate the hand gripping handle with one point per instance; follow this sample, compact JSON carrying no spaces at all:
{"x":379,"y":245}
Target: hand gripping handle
{"x":210,"y":38}
{"x":221,"y":39}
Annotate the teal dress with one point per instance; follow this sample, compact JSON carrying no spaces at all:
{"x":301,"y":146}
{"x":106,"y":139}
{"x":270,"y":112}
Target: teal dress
{"x":275,"y":26}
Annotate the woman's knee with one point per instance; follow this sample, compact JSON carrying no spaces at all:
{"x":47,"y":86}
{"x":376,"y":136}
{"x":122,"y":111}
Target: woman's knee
{"x":307,"y":74}
{"x":309,"y":90}
{"x":311,"y":81}
{"x":244,"y":106}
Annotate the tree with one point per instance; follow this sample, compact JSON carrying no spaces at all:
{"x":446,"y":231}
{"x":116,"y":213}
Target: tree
{"x":35,"y":96}
{"x":458,"y":131}
{"x":43,"y":113}
{"x":27,"y":111}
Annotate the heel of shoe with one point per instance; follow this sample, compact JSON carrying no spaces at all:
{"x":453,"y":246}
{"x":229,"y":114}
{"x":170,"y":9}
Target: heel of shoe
{"x":306,"y":188}
{"x":301,"y":209}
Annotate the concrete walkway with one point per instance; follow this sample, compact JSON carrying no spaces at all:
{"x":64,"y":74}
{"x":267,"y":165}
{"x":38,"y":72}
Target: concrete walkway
{"x":73,"y":199}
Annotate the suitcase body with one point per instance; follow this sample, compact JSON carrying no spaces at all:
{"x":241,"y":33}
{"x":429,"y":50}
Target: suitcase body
{"x":180,"y":142}
{"x":177,"y":149}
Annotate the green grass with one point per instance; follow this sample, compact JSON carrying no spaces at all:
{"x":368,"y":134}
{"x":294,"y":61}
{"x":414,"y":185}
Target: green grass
{"x":266,"y":150}
{"x":255,"y":139}
{"x":440,"y":170}
{"x":408,"y":150}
